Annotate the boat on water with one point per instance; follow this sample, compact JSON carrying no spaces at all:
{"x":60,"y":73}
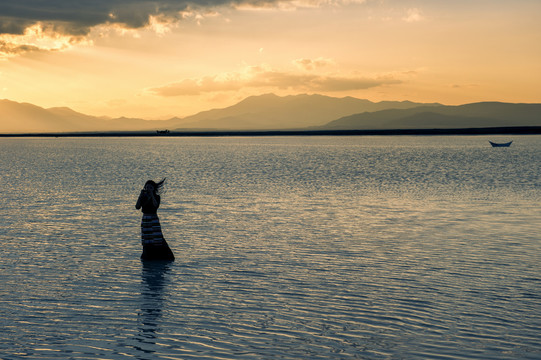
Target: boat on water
{"x":507,"y":144}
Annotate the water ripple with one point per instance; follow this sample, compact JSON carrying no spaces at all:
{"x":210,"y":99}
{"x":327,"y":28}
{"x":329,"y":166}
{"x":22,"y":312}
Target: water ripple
{"x":328,"y":248}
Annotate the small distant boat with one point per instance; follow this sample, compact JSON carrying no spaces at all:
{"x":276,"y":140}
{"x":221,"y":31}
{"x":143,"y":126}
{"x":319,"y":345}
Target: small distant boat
{"x":162,"y":132}
{"x":507,"y":144}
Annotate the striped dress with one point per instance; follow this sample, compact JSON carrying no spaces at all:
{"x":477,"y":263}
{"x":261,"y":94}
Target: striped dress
{"x":151,"y":231}
{"x":154,"y":245}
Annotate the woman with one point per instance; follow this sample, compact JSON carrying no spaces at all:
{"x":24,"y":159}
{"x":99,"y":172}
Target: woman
{"x":154,"y":245}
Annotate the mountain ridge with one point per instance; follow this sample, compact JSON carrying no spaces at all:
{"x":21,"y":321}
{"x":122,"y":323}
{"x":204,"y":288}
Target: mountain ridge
{"x":273,"y":112}
{"x":473,"y":115}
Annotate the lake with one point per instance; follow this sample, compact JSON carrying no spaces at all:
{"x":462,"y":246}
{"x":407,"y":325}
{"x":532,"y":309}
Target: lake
{"x":397,"y":247}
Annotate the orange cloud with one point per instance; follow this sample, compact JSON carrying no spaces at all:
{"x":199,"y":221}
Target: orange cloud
{"x":413,"y":15}
{"x":35,"y":38}
{"x":311,"y":64}
{"x":260,"y":77}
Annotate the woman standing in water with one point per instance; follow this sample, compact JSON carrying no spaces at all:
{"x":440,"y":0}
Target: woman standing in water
{"x":154,"y":245}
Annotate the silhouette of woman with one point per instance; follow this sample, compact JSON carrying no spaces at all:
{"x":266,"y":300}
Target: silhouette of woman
{"x":154,"y":245}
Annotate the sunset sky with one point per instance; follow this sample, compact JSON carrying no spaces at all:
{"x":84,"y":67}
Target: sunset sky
{"x":164,"y":58}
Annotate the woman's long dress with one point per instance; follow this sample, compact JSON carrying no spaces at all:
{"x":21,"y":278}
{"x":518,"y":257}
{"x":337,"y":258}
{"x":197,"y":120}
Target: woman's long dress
{"x":154,"y":245}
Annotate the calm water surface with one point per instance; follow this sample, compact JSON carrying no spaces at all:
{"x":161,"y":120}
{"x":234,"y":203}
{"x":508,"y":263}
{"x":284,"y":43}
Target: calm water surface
{"x":291,"y":248}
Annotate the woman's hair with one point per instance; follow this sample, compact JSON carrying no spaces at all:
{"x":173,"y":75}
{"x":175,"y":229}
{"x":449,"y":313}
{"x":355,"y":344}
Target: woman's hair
{"x":158,"y":186}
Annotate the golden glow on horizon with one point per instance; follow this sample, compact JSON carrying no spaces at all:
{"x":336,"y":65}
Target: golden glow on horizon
{"x":425,"y":52}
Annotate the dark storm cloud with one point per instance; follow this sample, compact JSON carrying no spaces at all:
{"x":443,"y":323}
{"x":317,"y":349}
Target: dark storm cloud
{"x":76,"y":17}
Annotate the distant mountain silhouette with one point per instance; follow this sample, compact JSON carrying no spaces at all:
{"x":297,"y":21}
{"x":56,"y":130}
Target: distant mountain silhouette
{"x":262,"y":112}
{"x":23,"y":117}
{"x":272,"y":112}
{"x":475,"y":115}
{"x":27,"y":118}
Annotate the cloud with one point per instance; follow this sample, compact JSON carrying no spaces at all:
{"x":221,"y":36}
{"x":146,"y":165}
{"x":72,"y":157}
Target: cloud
{"x":292,"y":4}
{"x":8,"y":49}
{"x":35,"y":38}
{"x":74,"y":20}
{"x":77,"y":18}
{"x":464,"y":86}
{"x":311,"y":64}
{"x":413,"y":15}
{"x":35,"y":25}
{"x":262,"y":77}
{"x":73,"y":17}
{"x":197,"y":86}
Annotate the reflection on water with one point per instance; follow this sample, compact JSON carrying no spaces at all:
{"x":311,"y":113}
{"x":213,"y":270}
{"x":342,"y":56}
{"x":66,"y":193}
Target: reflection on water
{"x":153,"y":283}
{"x":291,"y":248}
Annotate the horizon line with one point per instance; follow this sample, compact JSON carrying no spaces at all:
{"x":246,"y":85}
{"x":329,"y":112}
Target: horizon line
{"x":507,"y":130}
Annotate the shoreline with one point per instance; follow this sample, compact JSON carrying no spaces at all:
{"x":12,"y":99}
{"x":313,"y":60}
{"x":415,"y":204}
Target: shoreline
{"x":518,"y":130}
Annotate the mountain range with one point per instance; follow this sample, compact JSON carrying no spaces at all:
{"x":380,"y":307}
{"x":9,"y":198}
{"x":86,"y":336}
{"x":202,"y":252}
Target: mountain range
{"x":475,"y":115}
{"x":272,"y":112}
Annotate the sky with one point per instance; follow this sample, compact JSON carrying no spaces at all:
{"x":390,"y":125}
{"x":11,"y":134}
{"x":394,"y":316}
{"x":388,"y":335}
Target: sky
{"x":164,"y":58}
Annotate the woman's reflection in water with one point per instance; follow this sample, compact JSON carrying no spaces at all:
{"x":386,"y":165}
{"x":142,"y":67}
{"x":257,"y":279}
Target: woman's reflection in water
{"x":154,"y":279}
